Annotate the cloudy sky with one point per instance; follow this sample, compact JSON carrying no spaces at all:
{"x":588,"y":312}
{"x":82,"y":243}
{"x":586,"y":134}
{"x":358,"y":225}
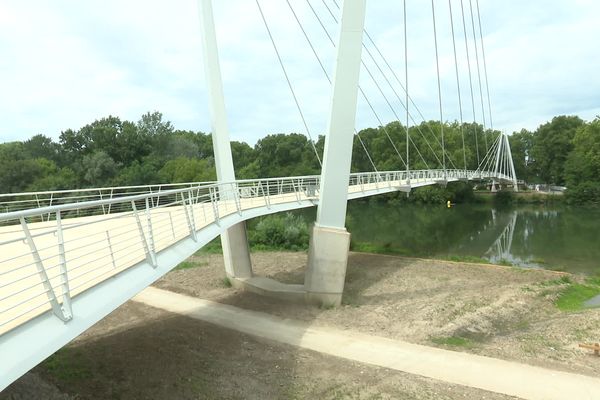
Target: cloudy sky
{"x":65,"y":63}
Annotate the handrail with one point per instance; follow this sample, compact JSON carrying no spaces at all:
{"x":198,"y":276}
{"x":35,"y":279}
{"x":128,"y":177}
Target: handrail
{"x":381,"y":176}
{"x":45,"y":261}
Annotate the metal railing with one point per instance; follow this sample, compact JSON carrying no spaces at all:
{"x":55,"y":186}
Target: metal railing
{"x":51,"y":253}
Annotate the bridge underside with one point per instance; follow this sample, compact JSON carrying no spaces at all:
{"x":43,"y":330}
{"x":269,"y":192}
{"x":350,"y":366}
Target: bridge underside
{"x":90,"y":265}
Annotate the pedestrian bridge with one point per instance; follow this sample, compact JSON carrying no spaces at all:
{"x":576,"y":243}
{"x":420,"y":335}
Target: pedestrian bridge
{"x":67,"y":259}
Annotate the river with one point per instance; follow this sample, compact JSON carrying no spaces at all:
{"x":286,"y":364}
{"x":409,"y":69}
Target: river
{"x":558,"y":238}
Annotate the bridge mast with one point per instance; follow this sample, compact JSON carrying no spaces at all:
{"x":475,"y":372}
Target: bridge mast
{"x":329,"y":243}
{"x":234,"y":241}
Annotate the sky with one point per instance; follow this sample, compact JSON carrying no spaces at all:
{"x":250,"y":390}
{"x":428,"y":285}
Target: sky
{"x":66,"y":63}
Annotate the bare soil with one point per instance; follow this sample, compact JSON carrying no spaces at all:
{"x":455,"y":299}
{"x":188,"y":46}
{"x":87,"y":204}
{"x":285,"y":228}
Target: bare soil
{"x":501,"y":312}
{"x":139,"y":352}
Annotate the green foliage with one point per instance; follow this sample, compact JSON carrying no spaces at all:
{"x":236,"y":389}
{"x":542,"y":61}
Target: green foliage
{"x":467,"y":259}
{"x":279,"y":231}
{"x":190,"y":265}
{"x":110,"y":151}
{"x":184,"y":169}
{"x":551,"y":146}
{"x":67,"y":366}
{"x":573,"y":296}
{"x":584,"y":193}
{"x":226,"y":282}
{"x":504,"y":198}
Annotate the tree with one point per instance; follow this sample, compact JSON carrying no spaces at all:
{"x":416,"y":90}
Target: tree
{"x":98,"y":168}
{"x":521,"y":144}
{"x":551,"y":147}
{"x":184,"y":169}
{"x":583,"y":164}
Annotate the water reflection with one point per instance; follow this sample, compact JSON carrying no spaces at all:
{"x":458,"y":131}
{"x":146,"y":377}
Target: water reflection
{"x":535,"y":237}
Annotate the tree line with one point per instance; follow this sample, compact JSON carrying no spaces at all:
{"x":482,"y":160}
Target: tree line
{"x":112,"y":152}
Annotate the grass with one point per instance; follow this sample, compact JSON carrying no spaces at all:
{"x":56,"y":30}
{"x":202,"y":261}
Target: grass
{"x":68,"y":366}
{"x":453,"y":341}
{"x":563,"y":280}
{"x":467,"y":259}
{"x":573,"y":296}
{"x":190,"y":265}
{"x":225,"y":282}
{"x":365,"y":247}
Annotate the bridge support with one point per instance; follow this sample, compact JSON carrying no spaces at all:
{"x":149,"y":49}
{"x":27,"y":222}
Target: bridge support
{"x":236,"y":253}
{"x":329,"y":243}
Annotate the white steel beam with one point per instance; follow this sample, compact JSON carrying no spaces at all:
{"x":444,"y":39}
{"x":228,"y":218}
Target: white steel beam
{"x":234,"y":241}
{"x":512,"y":165}
{"x":340,"y":132}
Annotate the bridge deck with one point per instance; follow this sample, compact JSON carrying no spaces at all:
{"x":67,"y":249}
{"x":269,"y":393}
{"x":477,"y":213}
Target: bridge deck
{"x":52,"y":255}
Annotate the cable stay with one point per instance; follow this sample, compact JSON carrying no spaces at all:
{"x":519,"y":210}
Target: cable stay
{"x":379,"y":88}
{"x":402,"y":103}
{"x":475,"y":133}
{"x":487,"y":86}
{"x":329,"y":79}
{"x":287,"y":78}
{"x":462,"y":131}
{"x":439,"y":82}
{"x":478,"y":74}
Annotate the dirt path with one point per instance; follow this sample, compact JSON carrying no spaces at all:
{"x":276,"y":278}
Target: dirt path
{"x":141,"y":352}
{"x":470,"y":370}
{"x":498,"y":312}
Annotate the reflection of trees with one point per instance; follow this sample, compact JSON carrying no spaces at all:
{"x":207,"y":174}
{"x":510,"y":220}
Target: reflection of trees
{"x":417,"y":230}
{"x":527,"y":236}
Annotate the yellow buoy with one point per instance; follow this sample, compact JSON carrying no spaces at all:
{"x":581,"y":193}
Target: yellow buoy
{"x":449,"y":204}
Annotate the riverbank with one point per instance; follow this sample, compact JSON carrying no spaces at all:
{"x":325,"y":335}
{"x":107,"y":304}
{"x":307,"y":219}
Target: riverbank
{"x":522,"y":197}
{"x":495,"y":311}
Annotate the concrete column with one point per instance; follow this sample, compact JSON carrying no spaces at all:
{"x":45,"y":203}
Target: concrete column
{"x":234,"y":241}
{"x":329,"y":242}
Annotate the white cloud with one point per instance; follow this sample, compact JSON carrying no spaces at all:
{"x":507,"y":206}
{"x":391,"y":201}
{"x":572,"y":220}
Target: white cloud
{"x":65,"y":63}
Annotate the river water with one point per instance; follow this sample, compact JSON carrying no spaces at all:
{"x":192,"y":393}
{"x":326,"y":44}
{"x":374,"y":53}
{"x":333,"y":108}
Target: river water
{"x":558,"y":238}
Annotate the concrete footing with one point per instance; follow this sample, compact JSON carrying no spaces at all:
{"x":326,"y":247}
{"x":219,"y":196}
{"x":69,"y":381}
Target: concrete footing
{"x":324,"y":277}
{"x":236,"y":253}
{"x":327,"y":262}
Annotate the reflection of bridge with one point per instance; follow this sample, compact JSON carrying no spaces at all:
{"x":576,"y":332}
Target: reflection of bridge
{"x":68,"y":259}
{"x":500,"y":250}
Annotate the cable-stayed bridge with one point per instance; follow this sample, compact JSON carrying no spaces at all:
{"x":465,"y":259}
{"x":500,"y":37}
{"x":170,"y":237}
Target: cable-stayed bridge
{"x":68,"y":258}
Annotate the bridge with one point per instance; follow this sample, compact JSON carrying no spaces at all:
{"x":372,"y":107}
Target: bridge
{"x":69,"y":258}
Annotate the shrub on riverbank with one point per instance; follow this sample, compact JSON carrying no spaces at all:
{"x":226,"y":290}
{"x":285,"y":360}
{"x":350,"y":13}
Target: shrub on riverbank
{"x":279,"y":232}
{"x":585,"y":193}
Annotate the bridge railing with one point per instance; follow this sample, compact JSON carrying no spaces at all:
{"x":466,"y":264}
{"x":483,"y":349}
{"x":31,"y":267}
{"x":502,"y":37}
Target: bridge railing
{"x":22,"y":201}
{"x":50,"y":254}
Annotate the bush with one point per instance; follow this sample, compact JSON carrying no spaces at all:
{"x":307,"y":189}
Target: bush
{"x":584,"y":193}
{"x":504,"y":198}
{"x":280,"y":232}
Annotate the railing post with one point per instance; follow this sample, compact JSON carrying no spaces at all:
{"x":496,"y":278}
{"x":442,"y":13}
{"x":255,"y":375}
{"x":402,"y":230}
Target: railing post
{"x":111,"y":196}
{"x":61,"y":312}
{"x":268,"y":197}
{"x":296,"y":190}
{"x":110,"y":248}
{"x":236,"y":197}
{"x":151,"y":244}
{"x":149,"y":256}
{"x":192,"y":218}
{"x":66,"y":309}
{"x":103,"y":209}
{"x":50,"y":204}
{"x":215,"y":206}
